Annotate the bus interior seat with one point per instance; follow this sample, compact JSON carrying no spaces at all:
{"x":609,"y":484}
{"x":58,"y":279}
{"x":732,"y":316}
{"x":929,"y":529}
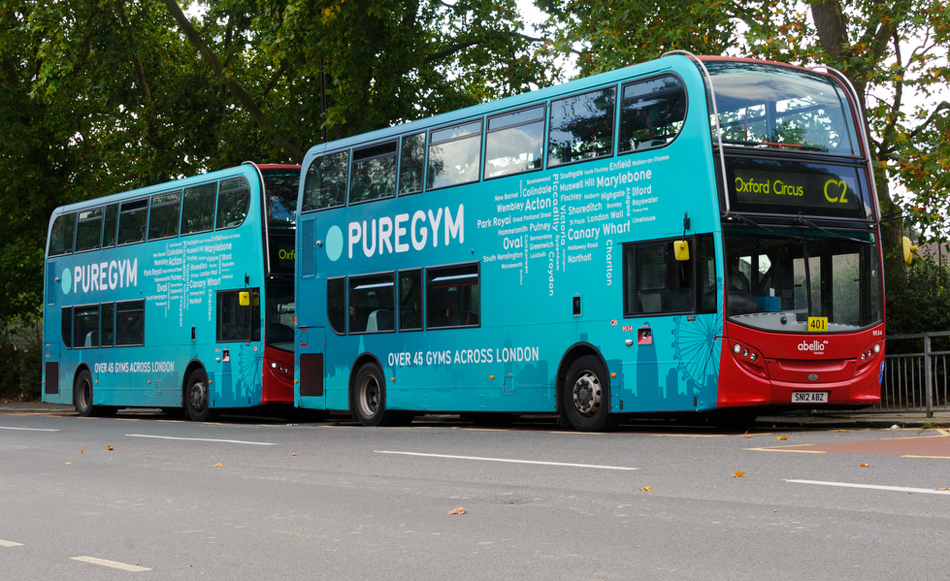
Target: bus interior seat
{"x":410,"y":319}
{"x":92,"y":339}
{"x":380,"y":320}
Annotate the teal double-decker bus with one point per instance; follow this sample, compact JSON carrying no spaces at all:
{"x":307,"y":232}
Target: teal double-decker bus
{"x":178,"y":295}
{"x":688,"y":235}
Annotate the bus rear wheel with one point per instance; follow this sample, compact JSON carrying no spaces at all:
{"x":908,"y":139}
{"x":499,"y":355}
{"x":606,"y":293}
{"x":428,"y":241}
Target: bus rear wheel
{"x":83,"y":394}
{"x":369,"y":397}
{"x":196,"y":398}
{"x":586,"y":396}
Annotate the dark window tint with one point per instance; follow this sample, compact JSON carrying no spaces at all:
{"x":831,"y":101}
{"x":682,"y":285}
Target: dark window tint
{"x":336,"y":304}
{"x":374,"y":173}
{"x":109,"y":225}
{"x":164,"y":215}
{"x":86,"y":326}
{"x":410,"y":300}
{"x":89,"y":231}
{"x":66,"y":326}
{"x":454,"y":155}
{"x":652,"y":113}
{"x":130,"y":323}
{"x":132,"y":216}
{"x":515,"y":142}
{"x":452,"y":296}
{"x":108,"y":325}
{"x":197,"y":208}
{"x":371,"y":303}
{"x":62,"y":234}
{"x":412,"y":157}
{"x":236,"y":321}
{"x":582,"y":127}
{"x":325,"y":186}
{"x":654,"y":281}
{"x":281,"y":188}
{"x":234,"y":198}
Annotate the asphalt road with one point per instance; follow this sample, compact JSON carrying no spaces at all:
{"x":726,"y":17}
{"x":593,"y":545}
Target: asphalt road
{"x":139,"y":497}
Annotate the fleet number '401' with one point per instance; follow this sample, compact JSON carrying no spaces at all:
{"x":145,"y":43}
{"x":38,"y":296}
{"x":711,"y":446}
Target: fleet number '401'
{"x":817,"y":323}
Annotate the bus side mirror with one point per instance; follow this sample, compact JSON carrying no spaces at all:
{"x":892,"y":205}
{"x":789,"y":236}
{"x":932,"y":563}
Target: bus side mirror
{"x":244,"y":299}
{"x":681,"y":250}
{"x":909,"y":250}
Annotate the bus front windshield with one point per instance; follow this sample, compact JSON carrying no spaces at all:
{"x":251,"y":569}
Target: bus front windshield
{"x":776,"y":282}
{"x":767,"y":106}
{"x":281,"y":187}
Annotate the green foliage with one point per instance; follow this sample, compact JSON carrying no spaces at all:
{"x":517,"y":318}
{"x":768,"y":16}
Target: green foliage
{"x":918,"y":299}
{"x":21,"y":360}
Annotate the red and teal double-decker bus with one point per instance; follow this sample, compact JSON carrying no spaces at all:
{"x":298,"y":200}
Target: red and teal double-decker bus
{"x":178,"y":295}
{"x":688,"y":235}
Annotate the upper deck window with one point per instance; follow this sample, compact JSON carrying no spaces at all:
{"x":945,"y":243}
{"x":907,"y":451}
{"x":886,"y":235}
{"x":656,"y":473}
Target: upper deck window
{"x":652,"y":112}
{"x":374,"y":173}
{"x":767,"y":106}
{"x":454,"y":155}
{"x":89,"y":232}
{"x":515,"y":142}
{"x":582,"y":127}
{"x":61,"y":237}
{"x":280,"y":187}
{"x":234,"y":198}
{"x":325,"y":186}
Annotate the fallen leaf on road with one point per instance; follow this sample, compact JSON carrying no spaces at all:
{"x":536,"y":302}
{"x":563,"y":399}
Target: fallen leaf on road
{"x":738,"y":474}
{"x":111,"y":448}
{"x":293,"y":454}
{"x":843,"y":431}
{"x":68,"y":463}
{"x":218,"y":465}
{"x":646,"y":488}
{"x":944,"y":488}
{"x":864,"y":465}
{"x":781,"y":437}
{"x":458,"y":510}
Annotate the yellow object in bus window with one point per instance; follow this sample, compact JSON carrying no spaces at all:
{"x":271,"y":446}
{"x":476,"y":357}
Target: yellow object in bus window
{"x":681,"y":250}
{"x":244,"y":298}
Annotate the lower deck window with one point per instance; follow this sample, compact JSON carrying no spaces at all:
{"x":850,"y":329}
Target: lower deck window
{"x":452,"y":297}
{"x":372,"y":303}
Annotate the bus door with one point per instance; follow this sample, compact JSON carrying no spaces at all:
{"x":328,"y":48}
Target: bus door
{"x":237,"y":380}
{"x":311,"y":345}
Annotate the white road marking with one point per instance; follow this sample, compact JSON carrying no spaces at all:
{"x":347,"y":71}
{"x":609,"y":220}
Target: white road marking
{"x":873,"y":486}
{"x":4,"y":543}
{"x":29,"y":429}
{"x":113,"y":564}
{"x":202,"y":440}
{"x":508,"y":460}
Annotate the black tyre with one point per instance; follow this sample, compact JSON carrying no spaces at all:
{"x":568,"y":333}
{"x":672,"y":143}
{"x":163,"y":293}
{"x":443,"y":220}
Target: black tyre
{"x":586,"y":396}
{"x":196,"y":397}
{"x":82,"y":394}
{"x":369,"y":397}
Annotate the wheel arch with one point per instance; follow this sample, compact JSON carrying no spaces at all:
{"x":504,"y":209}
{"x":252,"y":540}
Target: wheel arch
{"x":83,"y":366}
{"x":193,"y":365}
{"x":572,"y":354}
{"x":358,"y":363}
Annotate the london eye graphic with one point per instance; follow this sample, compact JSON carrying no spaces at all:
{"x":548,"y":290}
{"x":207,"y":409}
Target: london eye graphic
{"x":697,"y":345}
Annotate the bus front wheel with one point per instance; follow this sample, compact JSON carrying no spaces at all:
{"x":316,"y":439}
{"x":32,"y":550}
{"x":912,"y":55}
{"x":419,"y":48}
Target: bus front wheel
{"x":369,"y":396}
{"x":196,"y":398}
{"x":586,"y":396}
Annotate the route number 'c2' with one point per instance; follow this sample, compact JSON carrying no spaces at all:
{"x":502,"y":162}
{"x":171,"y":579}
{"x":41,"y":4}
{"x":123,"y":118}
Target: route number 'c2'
{"x":839,"y":185}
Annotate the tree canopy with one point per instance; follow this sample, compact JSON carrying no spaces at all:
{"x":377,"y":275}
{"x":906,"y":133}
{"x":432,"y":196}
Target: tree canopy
{"x":100,"y":96}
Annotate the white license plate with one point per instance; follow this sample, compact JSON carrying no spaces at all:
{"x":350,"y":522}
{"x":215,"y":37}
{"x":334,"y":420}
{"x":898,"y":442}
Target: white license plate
{"x":809,"y":397}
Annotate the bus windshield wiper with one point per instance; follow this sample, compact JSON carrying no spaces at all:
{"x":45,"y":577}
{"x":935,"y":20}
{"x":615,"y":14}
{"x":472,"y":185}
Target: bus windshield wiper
{"x":755,"y":224}
{"x":801,"y":221}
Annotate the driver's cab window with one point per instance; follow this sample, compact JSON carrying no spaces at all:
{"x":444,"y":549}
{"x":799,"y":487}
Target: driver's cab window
{"x":239,"y":316}
{"x":655,"y":282}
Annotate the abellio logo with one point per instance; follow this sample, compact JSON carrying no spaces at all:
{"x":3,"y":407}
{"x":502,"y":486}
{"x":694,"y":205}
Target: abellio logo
{"x":397,"y":234}
{"x":100,"y":276}
{"x":815,"y":346}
